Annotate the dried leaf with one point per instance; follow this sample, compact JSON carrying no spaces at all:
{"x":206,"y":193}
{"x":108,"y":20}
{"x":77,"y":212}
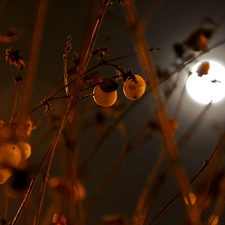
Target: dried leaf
{"x":14,"y":57}
{"x":108,"y":85}
{"x":91,"y":79}
{"x":197,"y":41}
{"x":100,"y":53}
{"x":179,"y":49}
{"x":11,"y":35}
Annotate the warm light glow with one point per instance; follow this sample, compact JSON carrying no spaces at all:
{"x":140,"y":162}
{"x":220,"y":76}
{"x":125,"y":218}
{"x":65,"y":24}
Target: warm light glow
{"x":192,"y":199}
{"x":207,"y":88}
{"x":213,"y":220}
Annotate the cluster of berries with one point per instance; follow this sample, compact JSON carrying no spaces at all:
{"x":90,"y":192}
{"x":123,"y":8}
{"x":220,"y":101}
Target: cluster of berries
{"x":14,"y":148}
{"x":133,"y":88}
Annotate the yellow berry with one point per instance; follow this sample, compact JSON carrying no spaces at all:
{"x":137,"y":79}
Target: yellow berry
{"x":25,"y":149}
{"x":10,"y":154}
{"x":133,"y":89}
{"x":4,"y":175}
{"x":103,"y":98}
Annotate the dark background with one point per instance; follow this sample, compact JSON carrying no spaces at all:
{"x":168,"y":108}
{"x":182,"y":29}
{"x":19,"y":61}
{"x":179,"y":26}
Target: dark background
{"x":172,"y":21}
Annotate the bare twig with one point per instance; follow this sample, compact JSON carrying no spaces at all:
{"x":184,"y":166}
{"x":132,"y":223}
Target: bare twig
{"x":65,"y":56}
{"x":16,"y":96}
{"x":141,"y":210}
{"x":30,"y":188}
{"x":168,"y":133}
{"x":181,"y":143}
{"x":203,"y":167}
{"x":127,"y":148}
{"x":72,"y":101}
{"x":104,"y":136}
{"x":34,"y":54}
{"x":5,"y":206}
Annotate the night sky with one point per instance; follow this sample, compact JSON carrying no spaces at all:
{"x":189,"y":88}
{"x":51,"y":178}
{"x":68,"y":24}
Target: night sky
{"x":167,"y":23}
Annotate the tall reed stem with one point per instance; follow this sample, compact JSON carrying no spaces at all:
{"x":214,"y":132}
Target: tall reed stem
{"x":168,"y":133}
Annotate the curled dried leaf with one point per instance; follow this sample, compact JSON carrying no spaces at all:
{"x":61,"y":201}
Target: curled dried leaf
{"x":48,"y":106}
{"x":107,"y":85}
{"x":91,"y":79}
{"x":14,"y":57}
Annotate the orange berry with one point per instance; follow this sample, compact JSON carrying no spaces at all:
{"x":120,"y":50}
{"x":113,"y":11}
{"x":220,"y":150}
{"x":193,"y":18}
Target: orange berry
{"x":133,"y":89}
{"x":103,"y":98}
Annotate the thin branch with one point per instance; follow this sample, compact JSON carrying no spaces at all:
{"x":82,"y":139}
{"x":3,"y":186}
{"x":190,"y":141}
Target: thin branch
{"x":141,"y":214}
{"x":5,"y":205}
{"x":65,"y":56}
{"x":219,"y":205}
{"x":127,"y":148}
{"x":203,"y":167}
{"x":34,"y":54}
{"x":104,"y":62}
{"x":72,"y":101}
{"x":105,"y":135}
{"x":114,"y":59}
{"x":16,"y":97}
{"x":168,"y":133}
{"x":181,"y":143}
{"x":30,"y":188}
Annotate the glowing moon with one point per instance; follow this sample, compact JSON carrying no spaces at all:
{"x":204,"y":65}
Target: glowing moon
{"x":209,"y":87}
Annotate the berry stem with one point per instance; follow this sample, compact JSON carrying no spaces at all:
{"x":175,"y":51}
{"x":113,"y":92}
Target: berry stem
{"x":16,"y":96}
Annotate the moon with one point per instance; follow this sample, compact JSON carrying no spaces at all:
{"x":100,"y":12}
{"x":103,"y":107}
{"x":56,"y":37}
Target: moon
{"x":208,"y":87}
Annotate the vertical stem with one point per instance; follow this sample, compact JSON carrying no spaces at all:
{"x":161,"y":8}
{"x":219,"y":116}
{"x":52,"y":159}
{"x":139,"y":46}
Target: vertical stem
{"x":30,"y":188}
{"x":141,"y":212}
{"x":87,"y":54}
{"x":200,"y":171}
{"x":65,"y":74}
{"x":46,"y":175}
{"x":168,"y":133}
{"x":71,"y":173}
{"x":5,"y":206}
{"x":65,"y":57}
{"x":34,"y":54}
{"x":16,"y":95}
{"x":71,"y":102}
